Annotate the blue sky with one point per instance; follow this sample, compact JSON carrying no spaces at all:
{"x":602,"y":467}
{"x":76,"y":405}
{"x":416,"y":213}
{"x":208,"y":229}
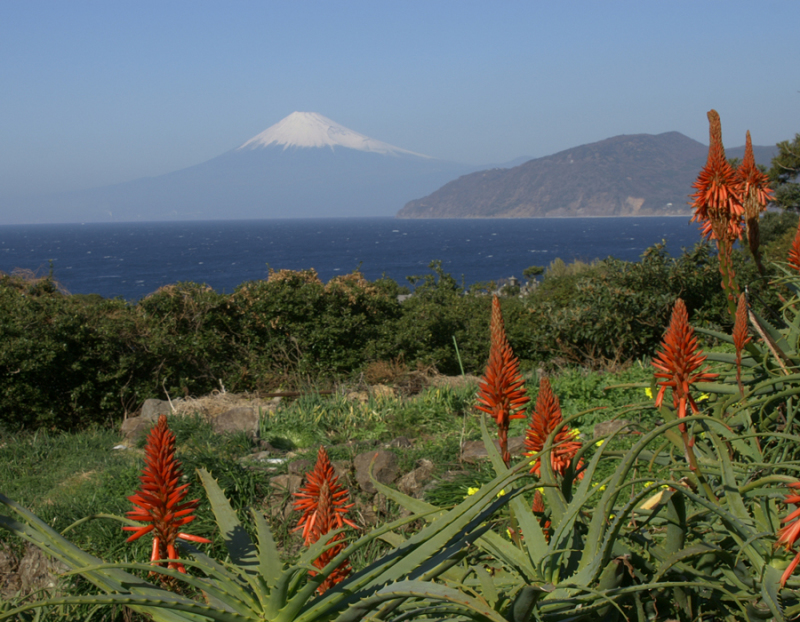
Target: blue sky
{"x":93,"y":93}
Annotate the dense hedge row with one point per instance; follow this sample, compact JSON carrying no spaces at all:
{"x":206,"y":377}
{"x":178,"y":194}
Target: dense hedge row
{"x":66,"y":361}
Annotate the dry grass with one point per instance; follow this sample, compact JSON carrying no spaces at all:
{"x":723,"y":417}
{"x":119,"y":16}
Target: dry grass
{"x":218,"y":402}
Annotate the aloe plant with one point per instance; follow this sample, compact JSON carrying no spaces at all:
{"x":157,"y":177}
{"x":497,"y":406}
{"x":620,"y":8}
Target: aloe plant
{"x":256,"y":585}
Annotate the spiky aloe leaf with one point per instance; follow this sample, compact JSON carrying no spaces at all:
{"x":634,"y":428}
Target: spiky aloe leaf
{"x":269,"y":560}
{"x":419,"y":554}
{"x":112,"y":580}
{"x":770,"y":585}
{"x":159,"y":608}
{"x":238,"y":543}
{"x":595,"y":553}
{"x":422,"y":590}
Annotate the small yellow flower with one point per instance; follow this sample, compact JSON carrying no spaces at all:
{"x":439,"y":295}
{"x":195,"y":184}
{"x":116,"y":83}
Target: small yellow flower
{"x":702,"y":397}
{"x":575,"y":432}
{"x":471,"y":491}
{"x":540,"y":490}
{"x":603,"y":487}
{"x":648,"y":484}
{"x":649,"y":392}
{"x":599,"y":443}
{"x":501,"y":493}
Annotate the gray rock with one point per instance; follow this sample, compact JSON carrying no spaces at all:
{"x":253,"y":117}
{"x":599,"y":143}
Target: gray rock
{"x":473,"y":451}
{"x":152,"y":409}
{"x":286,"y":483}
{"x":401,"y":442}
{"x":134,"y":428}
{"x":385,"y":469}
{"x":300,"y":467}
{"x":342,"y":469}
{"x":260,"y":456}
{"x":412,"y":483}
{"x":604,"y":428}
{"x":242,"y":419}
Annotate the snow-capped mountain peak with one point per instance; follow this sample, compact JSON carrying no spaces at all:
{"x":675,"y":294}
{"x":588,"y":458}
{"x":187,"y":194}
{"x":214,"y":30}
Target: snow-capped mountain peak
{"x":310,"y":129}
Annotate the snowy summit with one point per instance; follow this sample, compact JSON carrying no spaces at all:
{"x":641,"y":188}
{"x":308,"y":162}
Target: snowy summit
{"x":310,"y":129}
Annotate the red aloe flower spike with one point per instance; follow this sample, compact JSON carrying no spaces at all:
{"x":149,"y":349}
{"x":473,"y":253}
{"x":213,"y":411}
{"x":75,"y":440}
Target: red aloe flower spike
{"x":159,"y":500}
{"x":794,"y":251}
{"x":717,"y":204}
{"x":740,"y":337}
{"x":789,"y":534}
{"x":679,"y":362}
{"x":755,"y":194}
{"x":324,"y":503}
{"x":547,"y":417}
{"x":502,"y":390}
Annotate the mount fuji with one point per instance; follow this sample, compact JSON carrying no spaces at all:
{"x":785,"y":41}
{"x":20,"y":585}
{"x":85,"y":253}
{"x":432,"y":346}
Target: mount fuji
{"x":306,"y":165}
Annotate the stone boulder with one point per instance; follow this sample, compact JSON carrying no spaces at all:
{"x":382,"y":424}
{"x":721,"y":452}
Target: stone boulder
{"x":152,"y":409}
{"x":134,"y":428}
{"x":241,"y":419}
{"x":473,"y":451}
{"x":385,"y":469}
{"x":412,"y":483}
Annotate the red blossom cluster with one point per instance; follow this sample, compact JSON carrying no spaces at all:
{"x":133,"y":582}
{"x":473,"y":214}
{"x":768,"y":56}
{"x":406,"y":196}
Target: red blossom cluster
{"x":755,"y":194}
{"x":502,"y":389}
{"x":679,"y":363}
{"x":725,"y":198}
{"x":324,"y":504}
{"x":159,"y":502}
{"x":717,"y":202}
{"x":545,"y":419}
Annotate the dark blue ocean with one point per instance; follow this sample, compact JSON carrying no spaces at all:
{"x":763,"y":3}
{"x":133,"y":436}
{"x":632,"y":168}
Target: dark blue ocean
{"x":134,"y":259}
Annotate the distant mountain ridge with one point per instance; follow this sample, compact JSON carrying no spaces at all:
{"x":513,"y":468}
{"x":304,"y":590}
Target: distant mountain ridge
{"x":627,"y":175}
{"x":306,"y":165}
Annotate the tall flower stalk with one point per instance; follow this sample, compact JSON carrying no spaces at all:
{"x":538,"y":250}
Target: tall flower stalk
{"x":678,"y":366}
{"x":740,"y":338}
{"x":718,"y":207}
{"x":159,"y":501}
{"x":324,"y":504}
{"x":546,"y":418}
{"x":501,"y":392}
{"x":755,"y":194}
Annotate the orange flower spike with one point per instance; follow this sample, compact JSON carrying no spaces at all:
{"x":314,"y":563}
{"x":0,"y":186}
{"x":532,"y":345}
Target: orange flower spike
{"x":547,"y":417}
{"x":755,"y":194}
{"x":323,"y":501}
{"x":678,"y":363}
{"x":790,"y":533}
{"x":740,"y":337}
{"x":716,"y":202}
{"x":755,"y":190}
{"x":159,"y":501}
{"x":501,"y":392}
{"x":794,"y":251}
{"x":324,"y":504}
